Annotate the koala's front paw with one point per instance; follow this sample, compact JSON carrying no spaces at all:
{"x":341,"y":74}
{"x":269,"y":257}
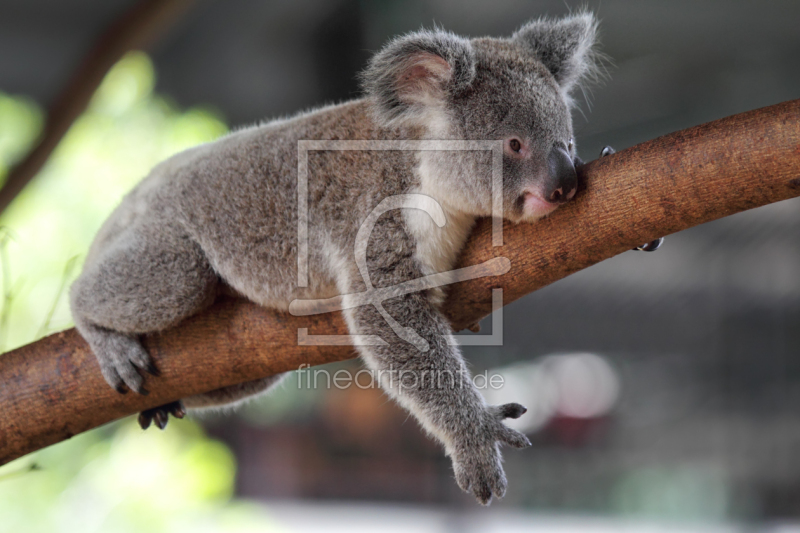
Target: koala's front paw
{"x":476,"y":457}
{"x":160,"y":414}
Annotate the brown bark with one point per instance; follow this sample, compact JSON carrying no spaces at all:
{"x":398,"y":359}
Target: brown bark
{"x":137,"y":28}
{"x":52,"y":389}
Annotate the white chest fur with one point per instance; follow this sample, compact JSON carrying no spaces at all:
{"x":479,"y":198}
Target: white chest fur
{"x":437,"y":248}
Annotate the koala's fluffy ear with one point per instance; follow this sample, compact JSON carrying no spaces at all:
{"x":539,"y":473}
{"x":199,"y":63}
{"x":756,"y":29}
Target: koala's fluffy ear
{"x":415,"y":73}
{"x":565,"y":46}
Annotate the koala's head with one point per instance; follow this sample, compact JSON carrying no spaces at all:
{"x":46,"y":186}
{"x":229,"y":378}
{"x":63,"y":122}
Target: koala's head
{"x":514,"y":90}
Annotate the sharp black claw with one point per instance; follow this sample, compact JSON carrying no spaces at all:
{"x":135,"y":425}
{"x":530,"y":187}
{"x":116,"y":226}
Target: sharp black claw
{"x":121,"y":389}
{"x":143,"y":391}
{"x":651,"y":246}
{"x":152,"y":370}
{"x":161,"y":418}
{"x":160,"y":415}
{"x":513,"y":410}
{"x":144,"y":419}
{"x":177,"y":409}
{"x":607,"y":150}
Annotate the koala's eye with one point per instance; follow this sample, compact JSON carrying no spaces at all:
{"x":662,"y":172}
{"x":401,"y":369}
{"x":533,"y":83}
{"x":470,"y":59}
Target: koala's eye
{"x":570,"y":144}
{"x":515,"y":145}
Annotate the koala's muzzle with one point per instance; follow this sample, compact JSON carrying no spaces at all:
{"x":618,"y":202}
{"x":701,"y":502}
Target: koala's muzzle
{"x":563,"y":179}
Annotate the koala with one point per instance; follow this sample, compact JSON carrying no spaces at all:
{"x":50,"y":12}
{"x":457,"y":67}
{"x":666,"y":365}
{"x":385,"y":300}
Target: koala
{"x":224,"y":216}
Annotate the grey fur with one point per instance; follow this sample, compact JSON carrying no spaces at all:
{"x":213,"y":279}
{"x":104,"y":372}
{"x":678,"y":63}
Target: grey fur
{"x":566,"y":49}
{"x":225,"y":215}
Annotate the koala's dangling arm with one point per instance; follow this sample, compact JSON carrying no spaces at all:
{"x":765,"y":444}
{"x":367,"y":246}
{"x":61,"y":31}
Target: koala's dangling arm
{"x":434,"y":384}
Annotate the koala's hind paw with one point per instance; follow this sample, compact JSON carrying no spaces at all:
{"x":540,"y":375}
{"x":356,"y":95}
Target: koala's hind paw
{"x":476,"y":459}
{"x":160,"y":414}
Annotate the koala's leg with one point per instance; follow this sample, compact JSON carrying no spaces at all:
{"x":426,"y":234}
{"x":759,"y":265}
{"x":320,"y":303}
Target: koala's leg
{"x":436,"y":387}
{"x":146,"y":280}
{"x":234,"y":394}
{"x":225,"y":396}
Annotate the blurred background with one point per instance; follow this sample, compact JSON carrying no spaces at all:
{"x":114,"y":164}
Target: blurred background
{"x":672,"y":403}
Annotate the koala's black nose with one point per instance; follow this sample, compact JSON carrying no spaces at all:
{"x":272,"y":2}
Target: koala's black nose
{"x":563,"y":182}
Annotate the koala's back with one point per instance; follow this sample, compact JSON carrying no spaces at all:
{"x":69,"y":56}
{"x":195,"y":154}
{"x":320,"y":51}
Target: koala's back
{"x":237,"y":199}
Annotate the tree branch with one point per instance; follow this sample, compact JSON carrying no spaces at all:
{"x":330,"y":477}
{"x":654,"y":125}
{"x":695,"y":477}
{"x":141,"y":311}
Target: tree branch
{"x":52,"y":389}
{"x":137,"y":28}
